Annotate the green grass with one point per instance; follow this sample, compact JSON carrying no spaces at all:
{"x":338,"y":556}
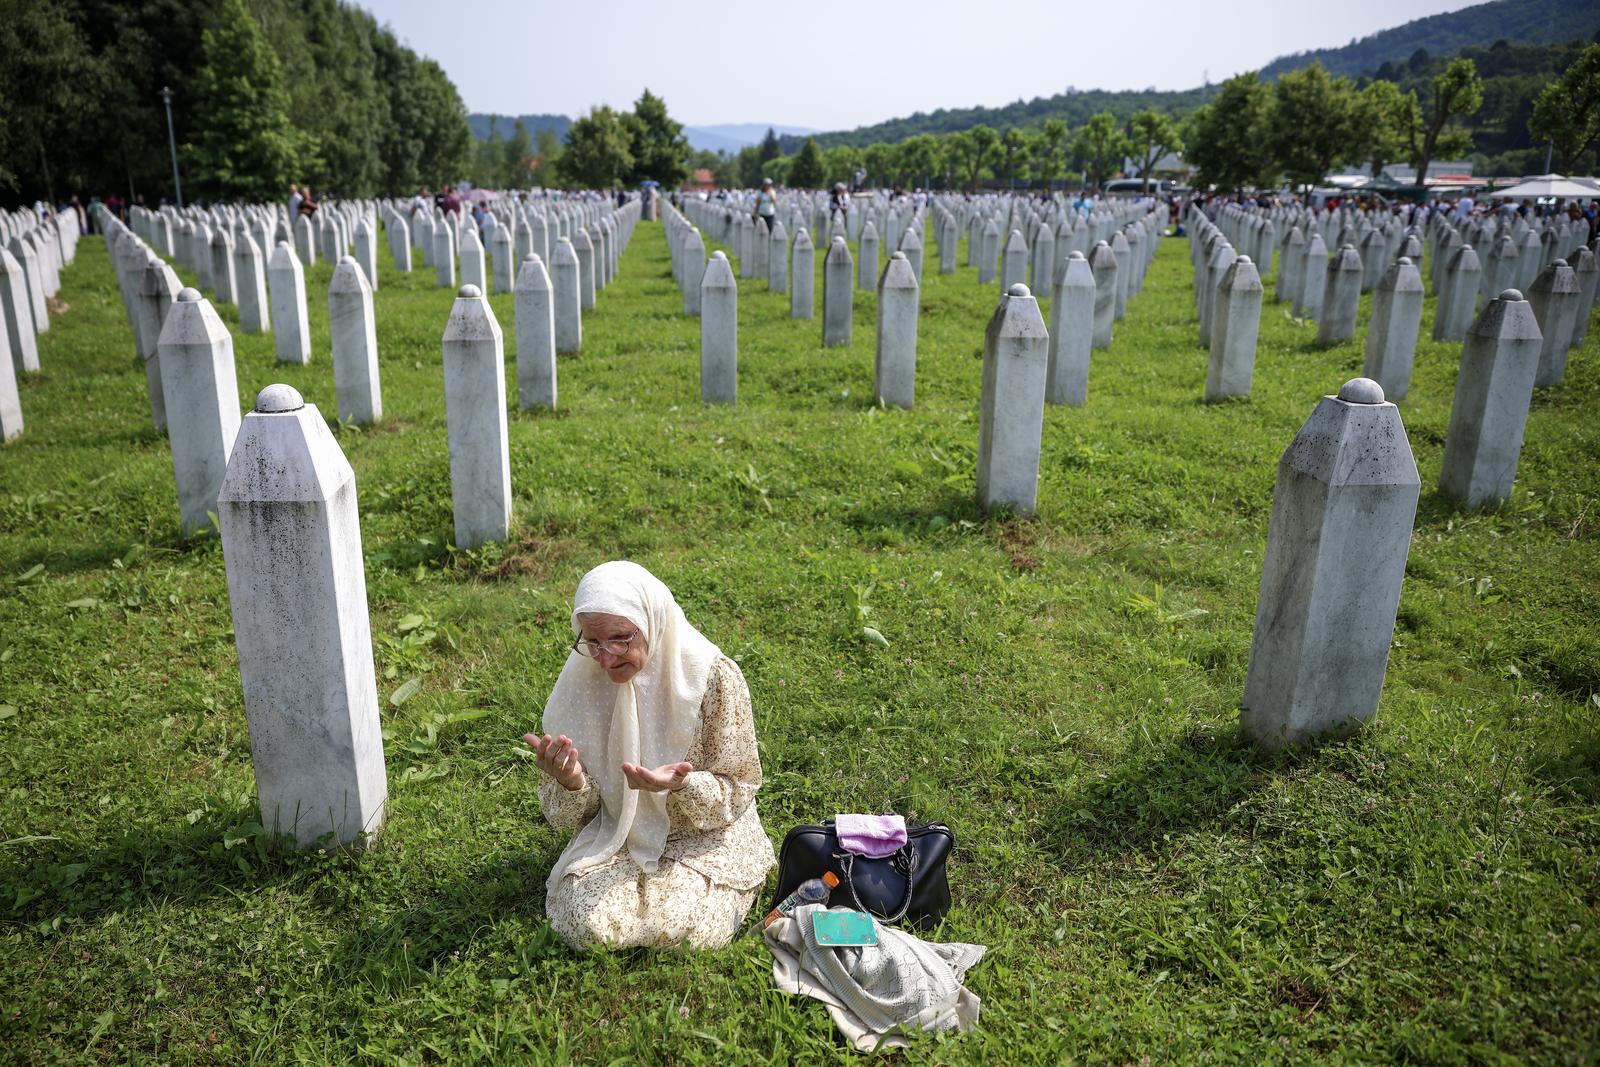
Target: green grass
{"x":1062,"y":691}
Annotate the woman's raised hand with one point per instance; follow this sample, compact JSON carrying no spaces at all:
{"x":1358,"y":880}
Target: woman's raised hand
{"x":558,"y":757}
{"x":667,"y":778}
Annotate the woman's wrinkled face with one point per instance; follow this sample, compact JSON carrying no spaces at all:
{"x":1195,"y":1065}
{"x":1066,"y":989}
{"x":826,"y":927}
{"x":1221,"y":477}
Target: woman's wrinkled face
{"x":604,"y":629}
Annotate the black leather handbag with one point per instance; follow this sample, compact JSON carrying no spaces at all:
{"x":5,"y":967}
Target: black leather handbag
{"x":908,"y":887}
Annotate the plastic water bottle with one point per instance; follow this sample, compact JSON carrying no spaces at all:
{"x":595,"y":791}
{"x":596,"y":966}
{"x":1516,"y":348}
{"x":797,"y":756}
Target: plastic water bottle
{"x":810,"y":891}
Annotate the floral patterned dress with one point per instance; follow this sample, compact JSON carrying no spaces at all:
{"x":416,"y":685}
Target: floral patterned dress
{"x":716,"y":857}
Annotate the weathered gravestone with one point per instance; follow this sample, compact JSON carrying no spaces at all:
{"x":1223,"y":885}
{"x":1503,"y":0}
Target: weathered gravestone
{"x":474,"y":271}
{"x":1458,"y":294}
{"x":250,"y":279}
{"x":18,"y":313}
{"x":158,"y":288}
{"x":1236,"y":324}
{"x":1103,"y":264}
{"x":10,"y":398}
{"x":1392,"y":333}
{"x":291,"y":336}
{"x":802,"y":277}
{"x":1342,"y":511}
{"x":444,"y":256}
{"x":534,"y":309}
{"x":894,"y":371}
{"x":475,"y":417}
{"x":1014,"y":262}
{"x":291,"y":544}
{"x":1341,"y":298}
{"x":719,"y":332}
{"x":1555,"y":298}
{"x":1494,"y":385}
{"x":366,"y":246}
{"x":867,"y":269}
{"x":778,"y":259}
{"x":1016,"y":355}
{"x":564,"y":286}
{"x":1071,"y":333}
{"x":837,"y":289}
{"x":201,"y":392}
{"x":355,"y":344}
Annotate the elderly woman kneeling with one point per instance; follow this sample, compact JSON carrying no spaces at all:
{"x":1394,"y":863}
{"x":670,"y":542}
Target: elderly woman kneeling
{"x":650,"y":754}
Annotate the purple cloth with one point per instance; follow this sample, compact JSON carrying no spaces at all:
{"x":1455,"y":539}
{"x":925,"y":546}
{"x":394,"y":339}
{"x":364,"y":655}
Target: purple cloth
{"x":872,"y":836}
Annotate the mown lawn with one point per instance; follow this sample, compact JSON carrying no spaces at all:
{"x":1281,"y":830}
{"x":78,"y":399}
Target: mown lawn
{"x":1062,"y":691}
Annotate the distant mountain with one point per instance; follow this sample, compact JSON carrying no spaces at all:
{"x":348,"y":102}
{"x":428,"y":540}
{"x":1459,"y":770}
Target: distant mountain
{"x":505,"y":124}
{"x":1074,"y":106}
{"x":1521,"y":22}
{"x":730,"y":137}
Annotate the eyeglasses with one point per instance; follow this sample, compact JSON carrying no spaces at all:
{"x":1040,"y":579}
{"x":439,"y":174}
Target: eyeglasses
{"x":585,"y":647}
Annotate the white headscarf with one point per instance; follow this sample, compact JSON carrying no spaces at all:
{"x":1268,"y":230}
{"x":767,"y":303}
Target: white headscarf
{"x":650,"y":720}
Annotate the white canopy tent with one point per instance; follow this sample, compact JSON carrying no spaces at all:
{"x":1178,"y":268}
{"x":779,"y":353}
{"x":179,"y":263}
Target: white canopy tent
{"x":1548,"y":185}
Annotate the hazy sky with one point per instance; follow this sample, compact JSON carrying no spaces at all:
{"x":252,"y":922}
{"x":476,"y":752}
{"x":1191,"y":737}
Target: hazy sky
{"x":839,"y":65}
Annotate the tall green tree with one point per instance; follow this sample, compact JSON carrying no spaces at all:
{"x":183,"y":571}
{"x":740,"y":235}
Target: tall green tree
{"x":1014,"y":152}
{"x":1049,"y":151}
{"x":516,"y":166}
{"x":770,"y":148}
{"x":244,"y":146}
{"x":1151,"y":135}
{"x":1391,"y":115}
{"x":657,"y":146}
{"x":1101,"y":146}
{"x":918,"y":160}
{"x":973,"y":150}
{"x":806,"y":171}
{"x":1229,"y":138}
{"x":1318,"y":122}
{"x":1455,"y":93}
{"x":879,"y":159}
{"x":1567,"y":112}
{"x":599,"y":149}
{"x":47,"y":73}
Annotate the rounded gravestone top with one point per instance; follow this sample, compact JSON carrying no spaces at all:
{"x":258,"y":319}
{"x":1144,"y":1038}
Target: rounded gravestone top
{"x":276,"y":399}
{"x":718,"y":255}
{"x":1361,"y":391}
{"x":898,"y":255}
{"x":1242,"y":259}
{"x":1075,"y":254}
{"x":470,"y":292}
{"x":1097,"y":244}
{"x":347,"y":259}
{"x":1559,"y":263}
{"x":1018,"y":290}
{"x":1511,"y":295}
{"x":1346,"y":245}
{"x":1403,"y":261}
{"x":188,"y":295}
{"x":838,"y":239}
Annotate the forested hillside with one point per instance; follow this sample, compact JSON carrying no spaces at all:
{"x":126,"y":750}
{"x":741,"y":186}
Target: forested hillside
{"x":287,"y":90}
{"x":481,"y":123}
{"x":1073,"y":106}
{"x":1525,"y":22}
{"x":1513,"y":75}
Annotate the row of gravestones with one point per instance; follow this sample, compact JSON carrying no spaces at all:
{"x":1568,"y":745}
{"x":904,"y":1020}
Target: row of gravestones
{"x":1229,"y":293}
{"x":149,"y":287}
{"x":284,"y":498}
{"x":291,"y":540}
{"x":290,"y":528}
{"x":33,"y":253}
{"x":1088,"y":294}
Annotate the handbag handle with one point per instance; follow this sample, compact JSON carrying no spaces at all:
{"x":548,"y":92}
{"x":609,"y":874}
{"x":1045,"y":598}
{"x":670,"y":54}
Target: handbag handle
{"x":909,"y":854}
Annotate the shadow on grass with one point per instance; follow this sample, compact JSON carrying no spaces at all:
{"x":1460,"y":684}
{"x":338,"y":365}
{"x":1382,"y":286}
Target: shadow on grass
{"x":442,"y":924}
{"x":89,"y":557}
{"x":925,"y":518}
{"x":223,"y":853}
{"x":1192,"y":781}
